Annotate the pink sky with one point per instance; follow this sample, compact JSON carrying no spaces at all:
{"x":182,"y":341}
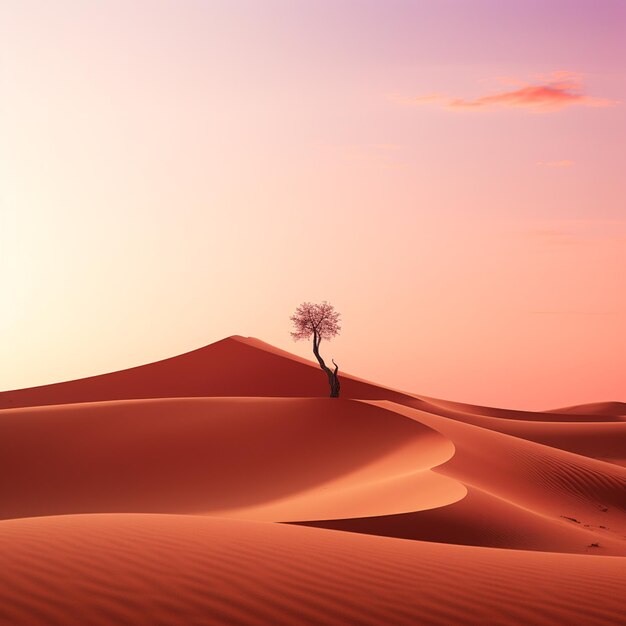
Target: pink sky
{"x":449,"y":174}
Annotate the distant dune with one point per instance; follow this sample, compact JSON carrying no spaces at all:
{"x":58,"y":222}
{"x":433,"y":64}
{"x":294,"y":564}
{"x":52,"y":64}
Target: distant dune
{"x":222,"y":487}
{"x":605,"y":409}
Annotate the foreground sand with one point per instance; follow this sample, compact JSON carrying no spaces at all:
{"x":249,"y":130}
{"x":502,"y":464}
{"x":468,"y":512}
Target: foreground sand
{"x":216,"y":488}
{"x":162,"y":569}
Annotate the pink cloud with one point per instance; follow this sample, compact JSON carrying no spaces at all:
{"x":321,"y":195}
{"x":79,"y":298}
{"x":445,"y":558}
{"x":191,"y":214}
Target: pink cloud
{"x":553,"y":92}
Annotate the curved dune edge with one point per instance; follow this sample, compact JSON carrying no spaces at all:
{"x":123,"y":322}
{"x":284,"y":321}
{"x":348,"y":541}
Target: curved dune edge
{"x":521,"y":495}
{"x":532,"y":495}
{"x":602,"y":440}
{"x":271,"y":459}
{"x":148,"y":569}
{"x":482,"y":519}
{"x":416,"y":491}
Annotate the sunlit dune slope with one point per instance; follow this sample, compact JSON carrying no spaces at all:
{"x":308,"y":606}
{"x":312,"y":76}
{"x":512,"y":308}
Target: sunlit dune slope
{"x":279,"y":459}
{"x":154,"y":569}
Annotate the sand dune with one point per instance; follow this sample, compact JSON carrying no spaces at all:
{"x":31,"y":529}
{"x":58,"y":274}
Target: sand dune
{"x":601,"y":412}
{"x":235,"y":366}
{"x":172,"y":570}
{"x":521,"y":495}
{"x":482,"y":519}
{"x":604,"y":440}
{"x":546,"y":480}
{"x":151,"y":496}
{"x":606,"y":409}
{"x":263,"y":458}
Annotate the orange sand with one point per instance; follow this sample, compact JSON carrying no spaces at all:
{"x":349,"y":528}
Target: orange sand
{"x":155,"y":495}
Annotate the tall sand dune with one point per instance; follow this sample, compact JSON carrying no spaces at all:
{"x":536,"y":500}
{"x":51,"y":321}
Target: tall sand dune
{"x":222,"y":487}
{"x":235,"y":366}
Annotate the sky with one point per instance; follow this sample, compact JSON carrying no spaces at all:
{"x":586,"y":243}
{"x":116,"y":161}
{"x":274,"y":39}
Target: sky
{"x":449,"y":175}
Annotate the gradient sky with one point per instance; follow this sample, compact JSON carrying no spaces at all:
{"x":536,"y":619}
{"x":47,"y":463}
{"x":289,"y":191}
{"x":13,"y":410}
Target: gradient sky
{"x":449,"y":174}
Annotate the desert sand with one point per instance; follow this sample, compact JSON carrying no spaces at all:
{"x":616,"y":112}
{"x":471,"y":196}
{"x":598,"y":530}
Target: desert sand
{"x":221,"y":486}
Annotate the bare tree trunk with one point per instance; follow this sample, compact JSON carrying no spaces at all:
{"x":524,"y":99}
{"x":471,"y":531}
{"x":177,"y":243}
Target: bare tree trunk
{"x":334,"y":382}
{"x":333,"y":378}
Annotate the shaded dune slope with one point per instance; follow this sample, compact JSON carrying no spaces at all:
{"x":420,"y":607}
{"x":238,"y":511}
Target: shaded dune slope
{"x":153,"y":569}
{"x":482,"y":519}
{"x":235,"y":366}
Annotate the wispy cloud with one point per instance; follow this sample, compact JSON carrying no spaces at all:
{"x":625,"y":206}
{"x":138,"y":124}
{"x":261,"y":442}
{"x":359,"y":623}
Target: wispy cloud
{"x":556,"y":164}
{"x":549,"y":93}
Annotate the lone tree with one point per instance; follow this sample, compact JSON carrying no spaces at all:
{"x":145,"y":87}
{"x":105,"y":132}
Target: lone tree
{"x":320,"y":321}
